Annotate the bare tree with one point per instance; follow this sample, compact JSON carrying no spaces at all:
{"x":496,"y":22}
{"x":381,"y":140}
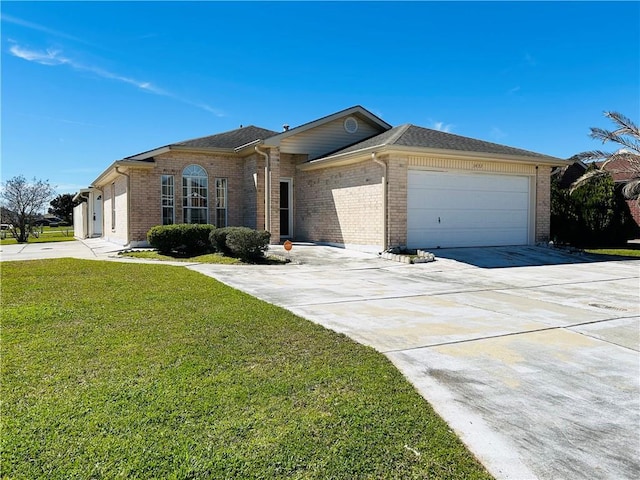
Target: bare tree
{"x":626,"y":159}
{"x":23,"y":201}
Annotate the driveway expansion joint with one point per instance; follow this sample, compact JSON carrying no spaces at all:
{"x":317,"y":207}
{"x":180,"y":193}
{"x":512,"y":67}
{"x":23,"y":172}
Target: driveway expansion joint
{"x":523,"y":332}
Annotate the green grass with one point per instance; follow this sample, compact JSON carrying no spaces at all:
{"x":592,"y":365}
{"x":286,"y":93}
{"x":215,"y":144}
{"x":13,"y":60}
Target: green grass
{"x":46,"y":234}
{"x":208,"y":258}
{"x":131,"y":371}
{"x":623,"y":252}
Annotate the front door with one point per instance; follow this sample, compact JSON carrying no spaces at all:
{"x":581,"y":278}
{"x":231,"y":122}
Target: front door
{"x":286,"y":210}
{"x":97,"y":216}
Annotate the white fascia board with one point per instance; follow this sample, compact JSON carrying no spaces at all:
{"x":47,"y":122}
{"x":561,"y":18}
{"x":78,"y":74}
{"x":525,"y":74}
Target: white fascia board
{"x":485,"y":156}
{"x":248,"y":145}
{"x":365,"y":153}
{"x":149,"y":154}
{"x":277,"y":139}
{"x":82,"y":191}
{"x":111,"y":173}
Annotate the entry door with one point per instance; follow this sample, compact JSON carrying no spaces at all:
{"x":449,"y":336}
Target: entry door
{"x":97,"y":216}
{"x":286,"y":209}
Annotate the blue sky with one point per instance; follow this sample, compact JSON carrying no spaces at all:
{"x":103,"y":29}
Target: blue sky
{"x":88,"y":83}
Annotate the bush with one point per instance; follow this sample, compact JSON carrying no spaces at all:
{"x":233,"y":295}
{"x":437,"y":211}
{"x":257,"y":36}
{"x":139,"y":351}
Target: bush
{"x":595,"y":214}
{"x":218,"y":239}
{"x":241,"y":242}
{"x":182,"y":238}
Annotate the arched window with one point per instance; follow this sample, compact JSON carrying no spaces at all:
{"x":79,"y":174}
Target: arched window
{"x":195,"y":195}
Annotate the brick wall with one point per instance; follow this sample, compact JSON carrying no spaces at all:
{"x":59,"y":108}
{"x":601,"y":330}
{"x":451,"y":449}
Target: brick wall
{"x":274,"y":228}
{"x":397,"y":198}
{"x":146,"y":189}
{"x":543,"y":204}
{"x":340,"y":205}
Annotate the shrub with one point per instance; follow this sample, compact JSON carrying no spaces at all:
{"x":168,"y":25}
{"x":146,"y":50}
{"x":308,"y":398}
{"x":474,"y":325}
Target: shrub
{"x":218,"y":239}
{"x":241,"y":242}
{"x":181,"y":238}
{"x":595,"y":214}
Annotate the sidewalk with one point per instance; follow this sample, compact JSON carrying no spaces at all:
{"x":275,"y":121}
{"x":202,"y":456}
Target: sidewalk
{"x":90,"y":248}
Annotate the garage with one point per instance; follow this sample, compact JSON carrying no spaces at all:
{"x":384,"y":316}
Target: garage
{"x":459,"y":209}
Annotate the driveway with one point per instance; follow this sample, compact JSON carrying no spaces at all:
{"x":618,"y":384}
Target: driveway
{"x":531,"y":355}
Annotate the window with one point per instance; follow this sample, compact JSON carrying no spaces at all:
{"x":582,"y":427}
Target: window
{"x":113,"y":206}
{"x":221,"y":202}
{"x":195,"y":195}
{"x":167,"y":200}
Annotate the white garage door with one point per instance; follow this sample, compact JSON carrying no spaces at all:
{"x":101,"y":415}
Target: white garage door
{"x":448,"y":209}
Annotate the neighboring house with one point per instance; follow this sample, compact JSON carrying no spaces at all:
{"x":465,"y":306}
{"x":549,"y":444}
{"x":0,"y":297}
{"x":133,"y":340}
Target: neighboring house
{"x":347,"y":179}
{"x":568,"y":174}
{"x":49,"y":219}
{"x":623,"y":168}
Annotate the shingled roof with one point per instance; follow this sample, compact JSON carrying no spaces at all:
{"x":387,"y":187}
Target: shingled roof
{"x":231,"y":139}
{"x":413,"y":136}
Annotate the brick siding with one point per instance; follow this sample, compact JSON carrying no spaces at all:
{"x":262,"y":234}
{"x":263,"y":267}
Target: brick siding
{"x":543,"y":204}
{"x":340,"y":205}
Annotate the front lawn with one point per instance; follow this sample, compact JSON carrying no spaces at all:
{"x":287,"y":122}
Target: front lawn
{"x":114,"y":370}
{"x":620,"y":252}
{"x":44,"y":234}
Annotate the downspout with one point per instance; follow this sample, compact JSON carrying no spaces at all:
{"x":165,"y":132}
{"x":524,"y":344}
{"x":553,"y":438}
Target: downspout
{"x":385,"y":188}
{"x":267,"y":189}
{"x":128,"y":203}
{"x":535,"y":210}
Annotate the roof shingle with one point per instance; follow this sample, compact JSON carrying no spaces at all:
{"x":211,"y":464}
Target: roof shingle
{"x":231,"y":139}
{"x":413,"y":136}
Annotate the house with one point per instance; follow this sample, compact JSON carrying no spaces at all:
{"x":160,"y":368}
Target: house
{"x":623,"y":168}
{"x":347,"y":179}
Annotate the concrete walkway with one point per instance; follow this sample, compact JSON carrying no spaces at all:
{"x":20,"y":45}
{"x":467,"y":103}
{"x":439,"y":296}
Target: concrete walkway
{"x":531,"y":355}
{"x":536,"y":367}
{"x":93,"y":248}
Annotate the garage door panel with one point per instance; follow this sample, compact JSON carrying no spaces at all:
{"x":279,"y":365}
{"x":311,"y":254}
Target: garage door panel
{"x":450,"y":210}
{"x":494,"y":218}
{"x":474,"y":199}
{"x":469,"y":238}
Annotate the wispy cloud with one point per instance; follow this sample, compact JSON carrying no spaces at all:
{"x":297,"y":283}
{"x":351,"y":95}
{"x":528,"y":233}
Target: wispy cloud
{"x":529,"y":60}
{"x":55,"y":57}
{"x":441,"y":126}
{"x":41,"y":28}
{"x":497,"y":133}
{"x":513,"y":90}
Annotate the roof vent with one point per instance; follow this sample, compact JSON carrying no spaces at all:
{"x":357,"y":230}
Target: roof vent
{"x":351,"y":125}
{"x":285,"y":127}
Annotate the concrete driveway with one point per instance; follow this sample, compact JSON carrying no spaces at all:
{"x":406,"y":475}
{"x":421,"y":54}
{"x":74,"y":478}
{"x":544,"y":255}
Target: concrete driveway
{"x":531,"y":355}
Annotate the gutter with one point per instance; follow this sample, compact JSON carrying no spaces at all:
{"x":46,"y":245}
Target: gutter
{"x":267,"y":188}
{"x":359,"y":155}
{"x":385,"y":191}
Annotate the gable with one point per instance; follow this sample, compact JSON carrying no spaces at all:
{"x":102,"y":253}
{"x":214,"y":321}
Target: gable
{"x":331,"y":133}
{"x":328,"y":137}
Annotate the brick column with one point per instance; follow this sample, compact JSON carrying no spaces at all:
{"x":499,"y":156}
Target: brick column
{"x":543,"y":204}
{"x":397,"y":202}
{"x":274,"y":228}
